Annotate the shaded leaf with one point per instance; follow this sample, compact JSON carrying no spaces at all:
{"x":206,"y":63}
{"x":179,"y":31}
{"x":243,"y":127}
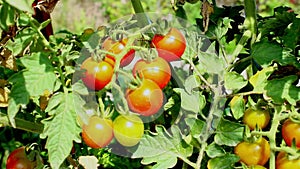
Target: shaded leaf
{"x":281,"y":90}
{"x":292,"y":34}
{"x":266,"y":52}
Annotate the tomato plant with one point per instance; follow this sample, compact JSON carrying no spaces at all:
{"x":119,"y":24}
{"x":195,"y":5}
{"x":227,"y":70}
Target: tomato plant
{"x":157,"y":70}
{"x":170,"y":46}
{"x":253,"y":153}
{"x":98,"y":133}
{"x":116,"y":48}
{"x":146,"y":99}
{"x":259,"y":118}
{"x":283,"y":161}
{"x":97,"y":74}
{"x":17,"y":159}
{"x":228,"y":59}
{"x":291,"y":131}
{"x":128,"y":129}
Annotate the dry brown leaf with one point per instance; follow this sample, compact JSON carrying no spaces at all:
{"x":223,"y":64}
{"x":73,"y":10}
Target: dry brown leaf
{"x":4,"y":96}
{"x":7,"y":59}
{"x":206,"y":10}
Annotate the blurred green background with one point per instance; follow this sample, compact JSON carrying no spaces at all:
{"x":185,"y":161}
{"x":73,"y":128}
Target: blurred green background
{"x":76,"y":15}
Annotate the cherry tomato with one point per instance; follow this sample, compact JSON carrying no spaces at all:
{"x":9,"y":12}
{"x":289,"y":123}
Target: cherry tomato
{"x":128,"y":129}
{"x":170,"y":46}
{"x":97,"y":74}
{"x":17,"y":160}
{"x":146,"y":99}
{"x":256,"y":153}
{"x":98,"y":133}
{"x":116,"y":48}
{"x":158,"y":71}
{"x":291,"y":130}
{"x":259,"y":117}
{"x":283,"y":162}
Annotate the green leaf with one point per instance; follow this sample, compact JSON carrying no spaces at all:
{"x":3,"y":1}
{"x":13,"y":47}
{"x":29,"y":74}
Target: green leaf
{"x":221,"y":28}
{"x":188,"y":101}
{"x":196,"y":126}
{"x":23,"y":5}
{"x":191,"y":83}
{"x":163,"y":148}
{"x":237,"y":106}
{"x":80,"y":88}
{"x":213,"y":150}
{"x":23,"y":39}
{"x":292,"y":34}
{"x":224,"y":162}
{"x":210,"y":63}
{"x":18,"y":97}
{"x":37,"y":78}
{"x":61,"y":128}
{"x":7,"y":14}
{"x":266,"y":52}
{"x":234,"y":81}
{"x":281,"y":90}
{"x":229,"y":133}
{"x":259,"y":80}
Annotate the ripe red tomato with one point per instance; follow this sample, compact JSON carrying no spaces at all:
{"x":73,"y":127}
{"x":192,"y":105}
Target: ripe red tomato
{"x":146,"y":99}
{"x":158,"y":71}
{"x":291,"y":130}
{"x":128,"y":129}
{"x":283,"y":162}
{"x":170,"y":46}
{"x":256,"y":153}
{"x":97,"y":74}
{"x":116,"y":48}
{"x":98,"y":133}
{"x":259,"y":117}
{"x":18,"y":160}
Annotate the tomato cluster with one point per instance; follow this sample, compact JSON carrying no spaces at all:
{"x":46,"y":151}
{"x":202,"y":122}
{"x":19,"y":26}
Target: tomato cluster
{"x":256,"y":152}
{"x":126,"y":129}
{"x":151,"y":75}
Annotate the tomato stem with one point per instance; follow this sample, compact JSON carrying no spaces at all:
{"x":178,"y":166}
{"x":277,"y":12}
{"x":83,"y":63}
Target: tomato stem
{"x":251,"y":21}
{"x":141,"y":16}
{"x":22,"y":124}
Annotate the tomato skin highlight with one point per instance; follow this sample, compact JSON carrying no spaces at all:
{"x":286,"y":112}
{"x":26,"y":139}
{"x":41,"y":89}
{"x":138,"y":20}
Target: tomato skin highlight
{"x":157,"y":70}
{"x":116,"y":48}
{"x":256,"y":153}
{"x":98,"y":133}
{"x":170,"y":46}
{"x":17,"y":160}
{"x":147,"y":99}
{"x":291,"y":130}
{"x":128,"y":129}
{"x":252,"y":117}
{"x":97,"y":74}
{"x":282,"y":162}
